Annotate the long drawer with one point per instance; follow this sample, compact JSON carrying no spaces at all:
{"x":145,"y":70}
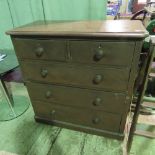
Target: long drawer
{"x":76,"y":75}
{"x":76,"y":97}
{"x":84,"y":117}
{"x":102,"y":52}
{"x":40,"y":49}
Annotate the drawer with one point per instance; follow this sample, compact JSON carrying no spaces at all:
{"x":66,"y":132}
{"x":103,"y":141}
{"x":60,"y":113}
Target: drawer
{"x":107,"y":53}
{"x":76,"y":97}
{"x":40,"y":49}
{"x":89,"y":118}
{"x":76,"y":75}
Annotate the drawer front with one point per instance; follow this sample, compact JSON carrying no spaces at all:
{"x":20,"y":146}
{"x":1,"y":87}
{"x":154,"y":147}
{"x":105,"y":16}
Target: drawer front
{"x":76,"y":97}
{"x":107,"y":53}
{"x":40,"y":49}
{"x":61,"y":73}
{"x":89,"y":118}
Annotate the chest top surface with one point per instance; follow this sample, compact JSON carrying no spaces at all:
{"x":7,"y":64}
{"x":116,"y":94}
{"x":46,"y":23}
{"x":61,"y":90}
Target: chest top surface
{"x":108,"y":28}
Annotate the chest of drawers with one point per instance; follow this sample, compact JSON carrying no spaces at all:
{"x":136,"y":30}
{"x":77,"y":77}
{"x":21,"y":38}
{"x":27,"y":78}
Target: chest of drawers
{"x":81,"y":75}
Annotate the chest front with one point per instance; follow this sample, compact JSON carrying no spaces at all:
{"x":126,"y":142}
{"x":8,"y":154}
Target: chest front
{"x":79,"y":79}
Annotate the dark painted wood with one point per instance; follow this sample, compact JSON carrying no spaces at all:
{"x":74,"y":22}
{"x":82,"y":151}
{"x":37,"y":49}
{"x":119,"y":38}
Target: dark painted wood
{"x":84,"y":117}
{"x":76,"y":97}
{"x":76,"y":75}
{"x":131,"y":85}
{"x":40,"y":49}
{"x":116,"y":53}
{"x":107,"y":28}
{"x":100,"y":132}
{"x":48,"y":49}
{"x":92,"y":62}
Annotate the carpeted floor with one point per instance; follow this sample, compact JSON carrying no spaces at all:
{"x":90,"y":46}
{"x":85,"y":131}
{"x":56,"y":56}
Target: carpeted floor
{"x":23,"y":136}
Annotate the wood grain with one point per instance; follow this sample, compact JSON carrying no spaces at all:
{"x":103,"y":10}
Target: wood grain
{"x":80,"y":117}
{"x":122,"y":28}
{"x":66,"y":96}
{"x":76,"y":75}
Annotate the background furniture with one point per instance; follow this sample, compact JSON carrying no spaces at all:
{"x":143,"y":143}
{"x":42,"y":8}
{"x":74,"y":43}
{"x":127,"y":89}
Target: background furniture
{"x":138,"y":5}
{"x":147,"y":107}
{"x":113,"y":9}
{"x":8,"y":72}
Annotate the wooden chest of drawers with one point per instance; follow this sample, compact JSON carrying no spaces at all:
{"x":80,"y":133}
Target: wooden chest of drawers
{"x":81,"y":75}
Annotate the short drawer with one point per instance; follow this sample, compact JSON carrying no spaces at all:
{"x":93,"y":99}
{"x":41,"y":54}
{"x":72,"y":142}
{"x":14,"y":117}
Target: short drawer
{"x":89,"y":118}
{"x":40,"y":49}
{"x":107,"y":53}
{"x":76,"y":75}
{"x":76,"y":97}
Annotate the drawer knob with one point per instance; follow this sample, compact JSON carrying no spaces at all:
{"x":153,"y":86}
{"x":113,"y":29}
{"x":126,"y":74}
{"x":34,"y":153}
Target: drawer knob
{"x":97,"y":101}
{"x":39,"y":51}
{"x":53,"y":112}
{"x":44,"y":73}
{"x":97,"y":79}
{"x":96,"y":120}
{"x":98,"y":55}
{"x":48,"y":94}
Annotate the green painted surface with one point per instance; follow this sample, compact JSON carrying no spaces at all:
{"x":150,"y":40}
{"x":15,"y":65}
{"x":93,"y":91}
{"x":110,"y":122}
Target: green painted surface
{"x":24,"y":136}
{"x":142,"y":145}
{"x":75,"y":9}
{"x":14,"y":13}
{"x":9,"y":112}
{"x":149,"y":99}
{"x":25,"y":11}
{"x":5,"y":24}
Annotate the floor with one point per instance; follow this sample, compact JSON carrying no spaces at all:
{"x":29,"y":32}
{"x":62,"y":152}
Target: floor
{"x":24,"y":136}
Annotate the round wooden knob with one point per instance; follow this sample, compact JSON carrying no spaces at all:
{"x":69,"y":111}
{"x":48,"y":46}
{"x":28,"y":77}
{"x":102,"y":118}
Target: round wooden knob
{"x":39,"y":51}
{"x":97,"y":101}
{"x":53,"y":112}
{"x":48,"y":94}
{"x":44,"y":73}
{"x":96,"y":120}
{"x":97,"y":79}
{"x":99,"y":54}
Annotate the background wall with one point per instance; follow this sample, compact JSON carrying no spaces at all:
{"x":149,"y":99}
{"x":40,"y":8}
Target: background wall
{"x":14,"y":13}
{"x":124,"y":6}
